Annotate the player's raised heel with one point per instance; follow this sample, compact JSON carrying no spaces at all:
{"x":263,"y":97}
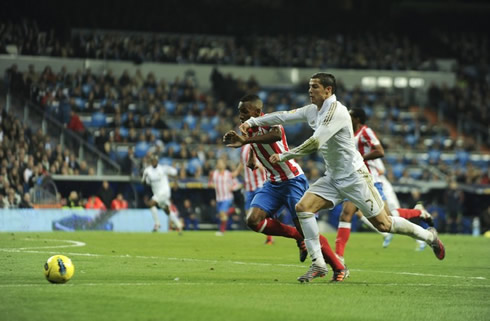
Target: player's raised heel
{"x":437,"y":245}
{"x":340,"y":275}
{"x":424,"y":216}
{"x":303,"y":252}
{"x":315,"y":271}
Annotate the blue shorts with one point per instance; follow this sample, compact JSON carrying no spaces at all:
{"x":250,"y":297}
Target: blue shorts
{"x":224,"y":206}
{"x":249,"y":196}
{"x":273,"y":196}
{"x":379,"y":187}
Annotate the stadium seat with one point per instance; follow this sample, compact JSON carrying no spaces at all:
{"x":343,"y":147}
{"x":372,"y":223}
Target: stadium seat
{"x":141,"y":149}
{"x":99,"y":119}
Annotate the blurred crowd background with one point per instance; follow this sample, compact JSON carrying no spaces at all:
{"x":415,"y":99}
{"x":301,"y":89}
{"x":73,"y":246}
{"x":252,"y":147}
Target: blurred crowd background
{"x":59,"y":125}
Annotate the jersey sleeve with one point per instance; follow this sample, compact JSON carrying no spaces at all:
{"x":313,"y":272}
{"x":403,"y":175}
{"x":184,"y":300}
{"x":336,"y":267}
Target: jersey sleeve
{"x":144,"y":178}
{"x":370,"y":137}
{"x":331,"y":124}
{"x":169,"y":170}
{"x":279,"y":117}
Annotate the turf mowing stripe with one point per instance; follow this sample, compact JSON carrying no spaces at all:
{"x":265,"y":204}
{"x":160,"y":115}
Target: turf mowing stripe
{"x":178,"y":283}
{"x":81,"y":244}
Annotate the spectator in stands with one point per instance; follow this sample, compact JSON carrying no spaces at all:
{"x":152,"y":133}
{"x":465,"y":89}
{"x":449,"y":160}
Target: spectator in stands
{"x":26,"y":201}
{"x":128,"y":162}
{"x":106,"y":194}
{"x":76,"y":124}
{"x":84,"y":170}
{"x":73,"y":201}
{"x":101,"y":138}
{"x":189,"y":214}
{"x":12,"y":201}
{"x":453,"y":201}
{"x":94,"y":202}
{"x":4,"y":203}
{"x":119,"y":203}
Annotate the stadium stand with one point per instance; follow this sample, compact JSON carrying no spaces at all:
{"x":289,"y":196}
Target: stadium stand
{"x":440,"y":137}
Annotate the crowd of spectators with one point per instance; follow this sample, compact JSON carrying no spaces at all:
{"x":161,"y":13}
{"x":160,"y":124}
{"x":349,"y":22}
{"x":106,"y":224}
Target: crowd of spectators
{"x":27,"y":158}
{"x":361,"y":50}
{"x":128,"y":116}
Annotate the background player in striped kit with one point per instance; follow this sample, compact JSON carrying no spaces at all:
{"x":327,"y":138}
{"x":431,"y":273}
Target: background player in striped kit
{"x":371,"y":149}
{"x":254,"y":178}
{"x":223,"y":183}
{"x":286,"y":182}
{"x":156,"y":176}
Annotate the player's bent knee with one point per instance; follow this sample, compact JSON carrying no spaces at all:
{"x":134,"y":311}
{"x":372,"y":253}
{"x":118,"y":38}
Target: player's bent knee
{"x":301,"y":207}
{"x":255,"y":217}
{"x":382,"y":225}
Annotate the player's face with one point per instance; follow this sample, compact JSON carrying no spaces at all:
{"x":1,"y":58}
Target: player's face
{"x":247,"y":110}
{"x":154,"y":162}
{"x":317,"y":92}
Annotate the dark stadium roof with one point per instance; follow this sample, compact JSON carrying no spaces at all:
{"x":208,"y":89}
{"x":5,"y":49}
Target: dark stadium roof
{"x":252,"y":16}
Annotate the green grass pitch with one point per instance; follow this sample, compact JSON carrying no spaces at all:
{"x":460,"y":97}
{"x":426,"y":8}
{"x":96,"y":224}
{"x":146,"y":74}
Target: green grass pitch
{"x":199,"y":276}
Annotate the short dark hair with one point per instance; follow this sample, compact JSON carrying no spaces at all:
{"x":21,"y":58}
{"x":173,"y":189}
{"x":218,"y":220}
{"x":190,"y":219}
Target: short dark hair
{"x":326,"y":80}
{"x":253,"y":100}
{"x":249,"y":97}
{"x":359,"y":113}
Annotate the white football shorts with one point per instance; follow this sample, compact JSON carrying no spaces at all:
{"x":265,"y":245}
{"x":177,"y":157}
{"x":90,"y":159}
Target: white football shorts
{"x":163,"y":200}
{"x":357,"y":187}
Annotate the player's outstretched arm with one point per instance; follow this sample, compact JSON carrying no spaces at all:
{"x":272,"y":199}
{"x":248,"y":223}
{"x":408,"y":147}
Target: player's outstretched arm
{"x":232,"y":139}
{"x":279,"y":118}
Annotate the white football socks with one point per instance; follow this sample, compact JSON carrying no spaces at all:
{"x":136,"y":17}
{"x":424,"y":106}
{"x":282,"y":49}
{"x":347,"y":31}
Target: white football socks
{"x":312,"y":237}
{"x":175,"y":220}
{"x":154,"y":213}
{"x":400,"y":225}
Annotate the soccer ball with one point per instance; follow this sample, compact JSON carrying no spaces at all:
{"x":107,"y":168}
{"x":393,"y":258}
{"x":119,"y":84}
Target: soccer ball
{"x":58,"y":269}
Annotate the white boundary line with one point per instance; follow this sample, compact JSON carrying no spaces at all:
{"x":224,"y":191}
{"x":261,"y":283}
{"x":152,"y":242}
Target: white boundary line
{"x":81,"y":244}
{"x":199,"y":283}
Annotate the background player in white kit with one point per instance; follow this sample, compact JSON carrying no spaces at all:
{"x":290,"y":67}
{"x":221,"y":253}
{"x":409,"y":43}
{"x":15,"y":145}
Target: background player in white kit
{"x":345,"y":176}
{"x":156,"y":176}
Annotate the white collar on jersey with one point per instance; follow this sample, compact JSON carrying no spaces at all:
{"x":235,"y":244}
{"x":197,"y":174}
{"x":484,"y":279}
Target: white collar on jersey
{"x":328,"y":101}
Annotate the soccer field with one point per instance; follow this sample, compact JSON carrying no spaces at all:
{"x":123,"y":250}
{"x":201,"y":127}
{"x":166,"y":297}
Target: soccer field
{"x":199,"y":276}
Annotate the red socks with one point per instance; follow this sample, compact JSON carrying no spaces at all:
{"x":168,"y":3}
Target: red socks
{"x":343,"y":234}
{"x":329,"y":255}
{"x":222,"y":227}
{"x":271,"y":226}
{"x":408,"y":213}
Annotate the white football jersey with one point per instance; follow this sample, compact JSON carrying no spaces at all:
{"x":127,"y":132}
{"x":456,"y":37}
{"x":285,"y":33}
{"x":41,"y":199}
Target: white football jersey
{"x":157,"y":178}
{"x":333,"y":136}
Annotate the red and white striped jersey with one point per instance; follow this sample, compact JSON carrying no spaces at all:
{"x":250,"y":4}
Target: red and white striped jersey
{"x":223,"y":184}
{"x":365,"y":139}
{"x":253,"y":179}
{"x":281,"y":171}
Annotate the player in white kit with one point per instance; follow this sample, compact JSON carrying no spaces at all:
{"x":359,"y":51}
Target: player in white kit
{"x":345,"y":176}
{"x":156,"y":176}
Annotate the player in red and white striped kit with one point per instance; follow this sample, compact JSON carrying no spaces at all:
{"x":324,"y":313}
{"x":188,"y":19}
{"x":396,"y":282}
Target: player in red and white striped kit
{"x":286,"y":182}
{"x":371,"y":150}
{"x":254,"y":177}
{"x":223,"y":182}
